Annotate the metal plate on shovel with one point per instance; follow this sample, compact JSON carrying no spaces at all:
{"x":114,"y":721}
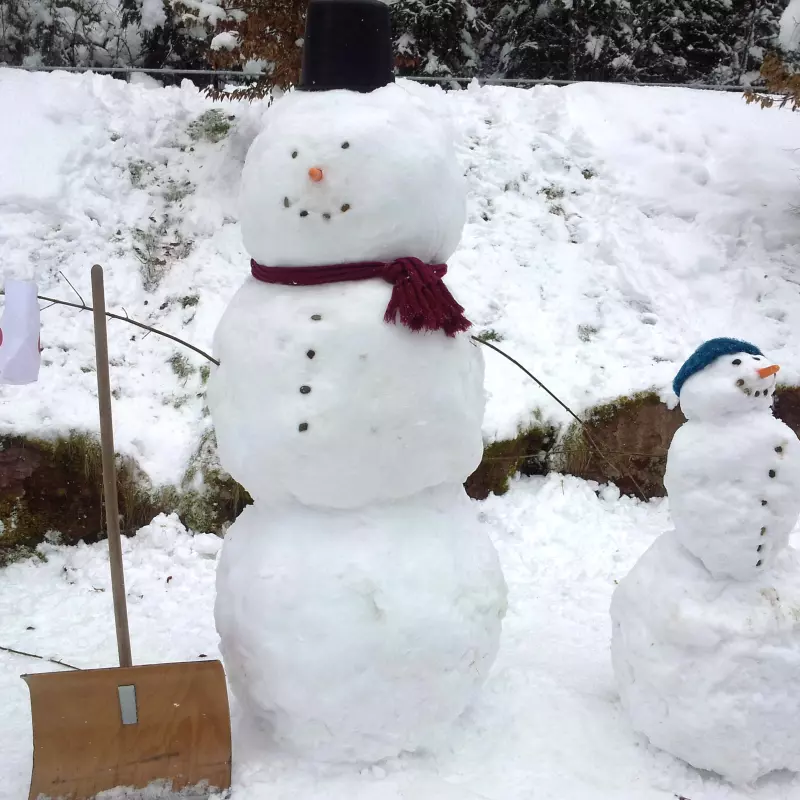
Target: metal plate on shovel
{"x":98,"y":729}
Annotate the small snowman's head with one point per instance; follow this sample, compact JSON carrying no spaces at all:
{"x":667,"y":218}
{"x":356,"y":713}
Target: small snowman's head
{"x":724,"y":377}
{"x":343,"y":176}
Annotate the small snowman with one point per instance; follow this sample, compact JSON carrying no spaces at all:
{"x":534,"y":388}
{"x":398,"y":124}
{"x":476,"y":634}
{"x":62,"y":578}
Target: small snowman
{"x":706,"y":626}
{"x":359,"y":601}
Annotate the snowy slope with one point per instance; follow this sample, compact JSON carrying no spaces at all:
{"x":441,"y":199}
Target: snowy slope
{"x":547,"y":725}
{"x":611,"y":230}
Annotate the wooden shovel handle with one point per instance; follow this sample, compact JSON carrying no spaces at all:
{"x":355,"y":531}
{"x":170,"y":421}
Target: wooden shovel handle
{"x":109,"y":468}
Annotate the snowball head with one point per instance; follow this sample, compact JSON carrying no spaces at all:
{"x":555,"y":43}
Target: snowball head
{"x":353,"y":636}
{"x":734,"y":491}
{"x":730,"y":384}
{"x":710,"y":670}
{"x":339,"y":177}
{"x":318,"y":399}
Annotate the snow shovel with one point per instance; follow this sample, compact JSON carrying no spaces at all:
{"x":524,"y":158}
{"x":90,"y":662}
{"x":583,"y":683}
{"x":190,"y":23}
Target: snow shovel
{"x":162,"y":724}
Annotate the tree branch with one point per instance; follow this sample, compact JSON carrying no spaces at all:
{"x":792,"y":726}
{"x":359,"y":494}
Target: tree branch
{"x":563,"y":405}
{"x":41,"y":658}
{"x":149,"y":328}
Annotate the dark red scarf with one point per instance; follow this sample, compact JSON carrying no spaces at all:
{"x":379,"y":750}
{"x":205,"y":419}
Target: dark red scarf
{"x":418,"y":295}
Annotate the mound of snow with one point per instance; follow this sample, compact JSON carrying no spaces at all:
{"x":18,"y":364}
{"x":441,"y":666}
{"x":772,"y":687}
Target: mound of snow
{"x":610,"y":230}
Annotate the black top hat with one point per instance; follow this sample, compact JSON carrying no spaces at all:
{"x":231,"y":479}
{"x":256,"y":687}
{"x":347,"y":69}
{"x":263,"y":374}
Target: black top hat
{"x":347,"y":45}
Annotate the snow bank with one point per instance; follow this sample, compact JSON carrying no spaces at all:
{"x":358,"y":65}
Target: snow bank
{"x":611,"y":230}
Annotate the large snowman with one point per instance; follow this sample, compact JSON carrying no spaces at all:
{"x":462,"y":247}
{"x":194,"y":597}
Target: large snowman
{"x":359,"y":601}
{"x":706,"y":626}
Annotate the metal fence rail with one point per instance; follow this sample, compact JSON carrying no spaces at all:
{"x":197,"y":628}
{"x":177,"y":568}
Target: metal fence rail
{"x":216,"y":74}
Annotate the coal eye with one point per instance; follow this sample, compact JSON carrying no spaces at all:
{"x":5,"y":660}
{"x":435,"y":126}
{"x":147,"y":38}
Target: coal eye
{"x":294,"y":154}
{"x":736,"y":362}
{"x":756,"y":358}
{"x":345,"y":145}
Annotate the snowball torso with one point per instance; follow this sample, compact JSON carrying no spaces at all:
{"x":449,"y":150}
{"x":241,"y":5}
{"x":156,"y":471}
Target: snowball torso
{"x":388,"y":412}
{"x":353,"y":635}
{"x":734,"y":491}
{"x":709,"y":669}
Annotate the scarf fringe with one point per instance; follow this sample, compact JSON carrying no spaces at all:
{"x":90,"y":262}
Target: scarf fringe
{"x":419,"y":296}
{"x":421,"y":299}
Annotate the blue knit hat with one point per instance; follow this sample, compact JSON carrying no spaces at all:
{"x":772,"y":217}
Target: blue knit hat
{"x":708,"y":352}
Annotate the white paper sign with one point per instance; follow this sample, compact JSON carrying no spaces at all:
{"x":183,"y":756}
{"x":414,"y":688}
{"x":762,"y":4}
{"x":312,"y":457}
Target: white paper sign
{"x":20,"y":349}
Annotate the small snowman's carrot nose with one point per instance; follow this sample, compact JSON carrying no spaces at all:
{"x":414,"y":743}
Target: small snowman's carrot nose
{"x":316,"y":174}
{"x":765,"y":372}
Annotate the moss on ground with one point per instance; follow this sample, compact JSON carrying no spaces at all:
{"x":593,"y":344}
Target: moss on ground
{"x":526,"y":453}
{"x":212,"y":126}
{"x":612,"y":410}
{"x":52,"y":490}
{"x":209,"y":499}
{"x":49,"y":486}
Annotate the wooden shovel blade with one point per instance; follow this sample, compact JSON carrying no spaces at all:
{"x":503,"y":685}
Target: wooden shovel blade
{"x":177,"y":730}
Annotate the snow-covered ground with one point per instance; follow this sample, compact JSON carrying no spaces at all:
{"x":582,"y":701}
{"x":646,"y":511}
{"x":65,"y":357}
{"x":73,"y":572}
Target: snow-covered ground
{"x":611,"y":230}
{"x":547,"y":725}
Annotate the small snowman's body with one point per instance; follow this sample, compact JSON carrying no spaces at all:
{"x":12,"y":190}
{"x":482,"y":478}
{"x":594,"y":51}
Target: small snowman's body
{"x":706,"y":638}
{"x":359,"y":601}
{"x":734,"y":491}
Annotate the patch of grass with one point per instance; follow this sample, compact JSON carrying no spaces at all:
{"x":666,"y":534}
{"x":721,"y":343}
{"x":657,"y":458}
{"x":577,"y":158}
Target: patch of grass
{"x":139,"y":172}
{"x":177,"y":401}
{"x":526,"y":453}
{"x":587,"y":332}
{"x":489,"y":335}
{"x":211,"y":126}
{"x":205,"y":373}
{"x":181,"y":366}
{"x":176,"y":191}
{"x":588,"y":174}
{"x":189,"y":300}
{"x":155,"y":246}
{"x":552,"y":192}
{"x":147,"y":248}
{"x":209,"y":497}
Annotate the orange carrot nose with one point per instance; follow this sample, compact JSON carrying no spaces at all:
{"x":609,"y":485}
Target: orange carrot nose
{"x":316,"y":174}
{"x":765,"y":372}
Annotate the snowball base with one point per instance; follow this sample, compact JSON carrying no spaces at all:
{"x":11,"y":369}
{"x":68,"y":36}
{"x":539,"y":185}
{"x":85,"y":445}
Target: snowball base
{"x":709,"y":669}
{"x":353,"y":636}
